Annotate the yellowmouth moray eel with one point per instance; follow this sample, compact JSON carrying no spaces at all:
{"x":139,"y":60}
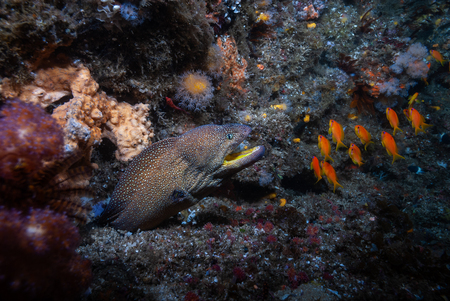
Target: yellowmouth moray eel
{"x":175,"y":173}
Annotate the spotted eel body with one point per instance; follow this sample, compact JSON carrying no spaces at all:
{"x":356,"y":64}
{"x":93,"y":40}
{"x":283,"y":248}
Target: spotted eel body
{"x":175,"y":173}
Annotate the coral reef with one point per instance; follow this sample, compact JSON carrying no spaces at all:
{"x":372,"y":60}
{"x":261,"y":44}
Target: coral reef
{"x":38,"y":259}
{"x":90,"y":114}
{"x":33,"y":172}
{"x":285,"y":68}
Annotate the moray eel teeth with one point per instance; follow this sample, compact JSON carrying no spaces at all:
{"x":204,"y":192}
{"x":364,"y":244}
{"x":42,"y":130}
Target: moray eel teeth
{"x":175,"y":173}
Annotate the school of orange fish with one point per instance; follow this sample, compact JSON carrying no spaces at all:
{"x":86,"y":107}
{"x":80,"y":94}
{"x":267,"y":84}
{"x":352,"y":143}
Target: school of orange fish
{"x":388,"y":142}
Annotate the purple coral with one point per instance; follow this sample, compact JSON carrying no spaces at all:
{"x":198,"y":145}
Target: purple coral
{"x":413,"y":61}
{"x":391,"y":87}
{"x":38,"y":260}
{"x":29,"y":137}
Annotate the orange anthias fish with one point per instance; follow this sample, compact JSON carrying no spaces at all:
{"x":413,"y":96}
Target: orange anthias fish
{"x":393,"y":119}
{"x":437,"y":56}
{"x":325,"y":148}
{"x":417,"y":121}
{"x":406,"y":112}
{"x":316,"y":167}
{"x":389,"y":143}
{"x":412,"y":98}
{"x":363,"y":135}
{"x":355,"y":154}
{"x":329,"y":172}
{"x":338,"y":133}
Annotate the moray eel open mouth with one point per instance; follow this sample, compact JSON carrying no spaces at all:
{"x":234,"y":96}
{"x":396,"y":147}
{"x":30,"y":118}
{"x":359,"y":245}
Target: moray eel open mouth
{"x":244,"y":158}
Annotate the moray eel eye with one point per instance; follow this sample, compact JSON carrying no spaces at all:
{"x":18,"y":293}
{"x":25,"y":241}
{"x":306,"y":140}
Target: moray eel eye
{"x":229,"y":136}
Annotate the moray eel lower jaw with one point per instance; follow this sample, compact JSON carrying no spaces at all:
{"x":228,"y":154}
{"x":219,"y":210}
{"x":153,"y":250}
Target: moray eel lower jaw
{"x":235,"y":162}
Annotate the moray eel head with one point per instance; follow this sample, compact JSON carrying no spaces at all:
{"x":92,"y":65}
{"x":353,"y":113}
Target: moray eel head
{"x":235,"y":161}
{"x":215,"y":151}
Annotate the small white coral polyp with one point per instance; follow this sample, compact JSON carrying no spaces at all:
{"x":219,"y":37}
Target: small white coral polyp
{"x":194,"y":91}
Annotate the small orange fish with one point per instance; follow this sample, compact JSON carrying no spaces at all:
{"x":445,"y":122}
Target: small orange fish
{"x":363,"y":135}
{"x":316,"y":167}
{"x":329,"y":172}
{"x":412,"y":98}
{"x":437,"y":56}
{"x":355,"y":154}
{"x":325,"y":148}
{"x":393,"y":119}
{"x":338,"y":133}
{"x":389,"y":143}
{"x":417,"y":121}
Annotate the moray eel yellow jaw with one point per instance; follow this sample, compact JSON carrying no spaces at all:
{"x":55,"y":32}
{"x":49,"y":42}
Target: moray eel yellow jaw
{"x":240,"y":160}
{"x":236,"y":158}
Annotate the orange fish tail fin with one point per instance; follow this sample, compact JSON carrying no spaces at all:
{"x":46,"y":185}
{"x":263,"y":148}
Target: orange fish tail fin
{"x":365,"y":145}
{"x":318,"y":179}
{"x":339,"y":144}
{"x":329,"y":158}
{"x":425,"y":126}
{"x":336,"y":184}
{"x":396,"y":156}
{"x":356,"y":162}
{"x":397,"y":128}
{"x":418,"y":129}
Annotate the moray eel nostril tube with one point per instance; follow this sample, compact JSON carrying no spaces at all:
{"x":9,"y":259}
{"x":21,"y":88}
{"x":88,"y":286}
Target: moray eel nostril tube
{"x":175,"y":173}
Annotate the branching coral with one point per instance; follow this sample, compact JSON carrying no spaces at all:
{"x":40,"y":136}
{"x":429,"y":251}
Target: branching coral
{"x":90,"y":114}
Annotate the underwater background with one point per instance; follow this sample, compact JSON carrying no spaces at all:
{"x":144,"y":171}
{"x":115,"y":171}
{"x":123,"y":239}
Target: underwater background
{"x":86,"y":86}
